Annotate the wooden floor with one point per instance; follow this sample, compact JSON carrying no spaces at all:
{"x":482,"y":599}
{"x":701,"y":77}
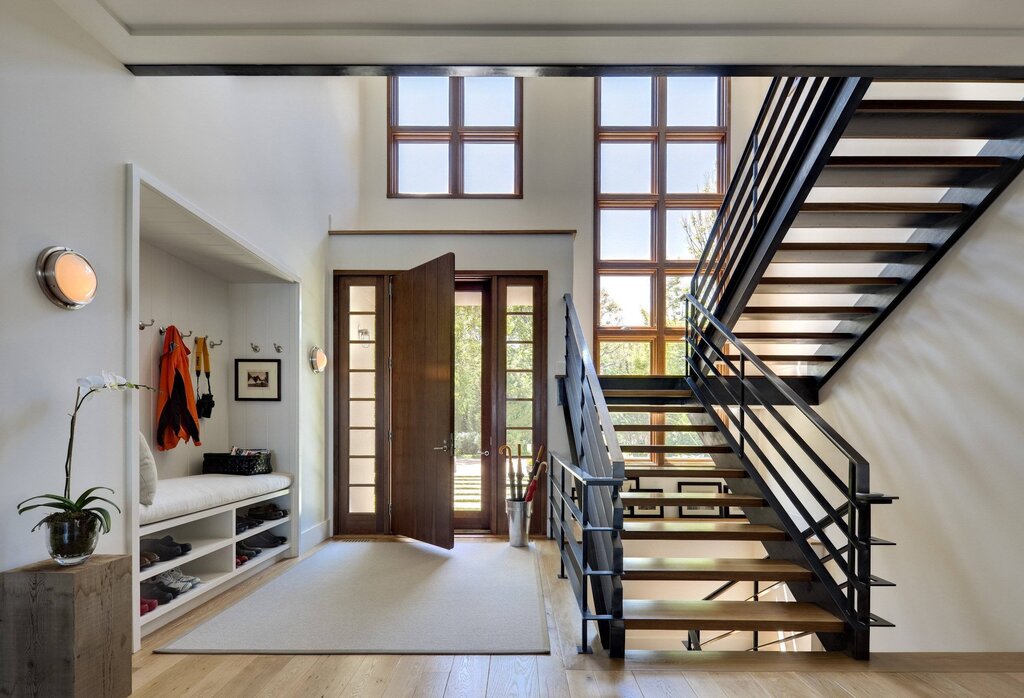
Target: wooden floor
{"x":564,"y":672}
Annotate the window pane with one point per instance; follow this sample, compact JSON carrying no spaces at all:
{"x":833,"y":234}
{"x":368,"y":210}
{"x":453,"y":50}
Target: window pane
{"x":423,"y":101}
{"x":490,"y":168}
{"x":362,"y":442}
{"x":676,"y":288}
{"x":489,"y":101}
{"x":519,"y":385}
{"x":519,"y":356}
{"x":361,"y":500}
{"x":519,"y":413}
{"x":514,"y":438}
{"x":361,"y":356}
{"x":625,"y":301}
{"x":626,"y":168}
{"x":362,"y":328}
{"x":361,"y":413}
{"x":687,"y":231}
{"x":626,"y":101}
{"x":675,"y":358}
{"x":423,"y":168}
{"x":362,"y":299}
{"x":519,"y":328}
{"x":519,"y":299}
{"x":692,"y":167}
{"x":625,"y":358}
{"x":361,"y":471}
{"x":362,"y":385}
{"x":625,"y":234}
{"x":693,"y":101}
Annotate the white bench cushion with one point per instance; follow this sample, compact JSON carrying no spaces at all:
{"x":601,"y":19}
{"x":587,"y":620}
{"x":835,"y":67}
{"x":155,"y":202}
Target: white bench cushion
{"x":179,"y":496}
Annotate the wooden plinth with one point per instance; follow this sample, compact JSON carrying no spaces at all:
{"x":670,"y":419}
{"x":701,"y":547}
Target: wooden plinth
{"x":67,"y":631}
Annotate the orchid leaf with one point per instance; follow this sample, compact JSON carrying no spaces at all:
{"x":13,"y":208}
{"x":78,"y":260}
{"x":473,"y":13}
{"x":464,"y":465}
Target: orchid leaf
{"x":62,"y":500}
{"x":103,"y":515}
{"x":54,"y":505}
{"x":90,"y":500}
{"x":84,"y":498}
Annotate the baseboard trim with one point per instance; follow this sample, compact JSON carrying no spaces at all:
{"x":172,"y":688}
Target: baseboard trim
{"x":313,"y":536}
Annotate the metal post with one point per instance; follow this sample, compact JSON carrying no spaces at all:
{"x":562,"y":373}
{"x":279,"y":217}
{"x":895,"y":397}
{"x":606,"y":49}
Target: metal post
{"x":757,"y":590}
{"x":584,"y":647}
{"x":561,"y":518}
{"x":743,"y":403}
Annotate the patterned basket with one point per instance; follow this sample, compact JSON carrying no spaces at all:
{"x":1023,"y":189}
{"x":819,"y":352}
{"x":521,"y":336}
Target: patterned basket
{"x":227,"y":464}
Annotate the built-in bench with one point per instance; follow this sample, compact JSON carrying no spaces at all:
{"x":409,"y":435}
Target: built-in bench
{"x":181,"y":496}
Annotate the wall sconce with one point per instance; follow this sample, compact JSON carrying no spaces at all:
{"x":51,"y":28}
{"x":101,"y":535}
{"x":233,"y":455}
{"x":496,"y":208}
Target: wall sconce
{"x":317,"y":360}
{"x":66,"y":277}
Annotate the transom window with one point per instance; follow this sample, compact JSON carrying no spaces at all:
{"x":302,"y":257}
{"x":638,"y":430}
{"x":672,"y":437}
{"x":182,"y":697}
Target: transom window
{"x":660,"y":157}
{"x":455,"y":137}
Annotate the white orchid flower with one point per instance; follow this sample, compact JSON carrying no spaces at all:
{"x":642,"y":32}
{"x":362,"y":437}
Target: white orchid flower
{"x":91,"y":382}
{"x":112,"y":381}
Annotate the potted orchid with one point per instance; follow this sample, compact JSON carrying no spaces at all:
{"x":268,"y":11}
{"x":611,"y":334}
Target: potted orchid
{"x":74,"y":528}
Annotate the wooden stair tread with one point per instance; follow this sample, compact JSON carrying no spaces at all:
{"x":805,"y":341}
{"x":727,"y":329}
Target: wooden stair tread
{"x":848,"y":252}
{"x":906,"y":171}
{"x":713,"y":569}
{"x":665,"y":409}
{"x":666,"y":427}
{"x":826,"y":284}
{"x":875,"y":215}
{"x":924,"y":119}
{"x":795,"y":337}
{"x":624,"y":393}
{"x":640,"y":614}
{"x":691,"y":499}
{"x":801,"y":312}
{"x":796,"y":358}
{"x":659,"y":448}
{"x":699,"y":530}
{"x":683,"y":472}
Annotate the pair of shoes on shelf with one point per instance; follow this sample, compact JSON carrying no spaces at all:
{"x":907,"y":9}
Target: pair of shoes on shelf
{"x":165,"y":548}
{"x":241,"y":560}
{"x":176,"y":579}
{"x":267,"y":512}
{"x":147,"y":560}
{"x":244,"y":523}
{"x":265,"y":539}
{"x":245,"y":550}
{"x":160,"y":593}
{"x":147,"y":605}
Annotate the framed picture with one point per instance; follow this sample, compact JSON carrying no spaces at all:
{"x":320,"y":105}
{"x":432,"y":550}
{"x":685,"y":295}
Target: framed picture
{"x":650,"y":511}
{"x":700,"y":511}
{"x":258,"y":379}
{"x":630,"y":484}
{"x":732,"y":512}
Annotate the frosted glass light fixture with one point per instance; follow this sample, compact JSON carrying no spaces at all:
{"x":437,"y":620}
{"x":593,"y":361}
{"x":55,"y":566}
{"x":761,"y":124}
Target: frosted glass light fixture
{"x":66,"y":277}
{"x":317,"y":360}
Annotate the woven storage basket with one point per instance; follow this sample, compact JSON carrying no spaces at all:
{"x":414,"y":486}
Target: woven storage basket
{"x":227,"y":464}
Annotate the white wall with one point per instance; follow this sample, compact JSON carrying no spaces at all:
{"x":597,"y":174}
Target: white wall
{"x":550,"y":253}
{"x":174,"y":292}
{"x":270,"y":158}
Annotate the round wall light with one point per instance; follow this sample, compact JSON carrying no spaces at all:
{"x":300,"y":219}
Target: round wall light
{"x":317,"y":360}
{"x":66,"y":277}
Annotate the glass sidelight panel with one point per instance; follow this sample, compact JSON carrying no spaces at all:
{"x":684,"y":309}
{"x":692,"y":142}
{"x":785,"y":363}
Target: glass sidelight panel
{"x":362,"y":385}
{"x":362,"y":471}
{"x":469,"y":402}
{"x":361,"y":499}
{"x":362,"y":299}
{"x":362,"y":413}
{"x":362,"y":355}
{"x":519,"y":384}
{"x":362,"y":328}
{"x":519,"y":356}
{"x":519,"y":328}
{"x":362,"y":442}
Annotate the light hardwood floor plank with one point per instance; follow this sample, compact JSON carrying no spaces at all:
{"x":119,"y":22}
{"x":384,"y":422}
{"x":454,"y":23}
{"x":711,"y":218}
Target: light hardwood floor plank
{"x":603,"y":684}
{"x":823,"y":685}
{"x":663,"y":684}
{"x":551,"y":677}
{"x":468,"y":677}
{"x":512,"y":675}
{"x":412,"y":671}
{"x":373,"y":675}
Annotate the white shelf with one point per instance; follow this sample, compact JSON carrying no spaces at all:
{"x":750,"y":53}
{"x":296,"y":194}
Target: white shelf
{"x":267,"y":525}
{"x":210,"y":582}
{"x":156,"y":526}
{"x":200,"y":548}
{"x":267,"y":554}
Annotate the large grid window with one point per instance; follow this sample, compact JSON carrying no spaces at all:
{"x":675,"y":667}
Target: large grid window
{"x":455,"y":137}
{"x":661,"y":154}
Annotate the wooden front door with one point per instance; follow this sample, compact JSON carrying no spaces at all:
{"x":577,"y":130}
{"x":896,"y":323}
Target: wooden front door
{"x":423,"y":402}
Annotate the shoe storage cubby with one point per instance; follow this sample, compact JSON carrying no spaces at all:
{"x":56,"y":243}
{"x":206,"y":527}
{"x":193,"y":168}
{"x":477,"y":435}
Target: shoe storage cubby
{"x":213,"y":538}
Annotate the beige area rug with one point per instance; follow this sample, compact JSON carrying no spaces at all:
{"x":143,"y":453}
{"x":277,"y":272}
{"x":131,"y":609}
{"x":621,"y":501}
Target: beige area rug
{"x":388,"y":598}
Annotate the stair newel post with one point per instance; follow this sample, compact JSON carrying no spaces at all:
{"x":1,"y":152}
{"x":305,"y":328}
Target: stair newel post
{"x":584,"y":603}
{"x":743,"y":404}
{"x":860,"y":594}
{"x":561,"y":519}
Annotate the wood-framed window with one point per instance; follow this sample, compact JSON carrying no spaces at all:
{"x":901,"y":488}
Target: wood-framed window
{"x":455,"y":137}
{"x":661,"y":160}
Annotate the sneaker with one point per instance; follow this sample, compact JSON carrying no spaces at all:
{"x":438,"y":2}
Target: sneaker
{"x":177,"y":584}
{"x":180,"y":576}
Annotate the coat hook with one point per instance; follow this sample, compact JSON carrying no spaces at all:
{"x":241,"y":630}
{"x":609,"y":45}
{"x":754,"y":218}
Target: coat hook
{"x":187,"y":335}
{"x":215,"y":344}
{"x":144,"y":325}
{"x":163,"y":330}
{"x":278,"y":348}
{"x":255,"y":347}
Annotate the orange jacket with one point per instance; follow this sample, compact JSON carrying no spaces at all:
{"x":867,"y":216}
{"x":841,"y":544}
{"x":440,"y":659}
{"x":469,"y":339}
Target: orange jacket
{"x":177,"y":419}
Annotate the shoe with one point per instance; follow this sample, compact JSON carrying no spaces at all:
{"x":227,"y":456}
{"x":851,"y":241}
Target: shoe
{"x":156,"y":593}
{"x":266,"y":539}
{"x":177,"y":575}
{"x":243,"y":549}
{"x":248,"y":522}
{"x":241,"y":560}
{"x":185,"y":547}
{"x":240,"y":527}
{"x":159,"y":548}
{"x":146,"y":560}
{"x":267,"y":512}
{"x":171,"y":583}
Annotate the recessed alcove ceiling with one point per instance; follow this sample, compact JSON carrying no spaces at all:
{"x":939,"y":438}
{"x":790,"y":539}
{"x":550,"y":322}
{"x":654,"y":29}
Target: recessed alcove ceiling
{"x":167,"y":226}
{"x":546,"y":33}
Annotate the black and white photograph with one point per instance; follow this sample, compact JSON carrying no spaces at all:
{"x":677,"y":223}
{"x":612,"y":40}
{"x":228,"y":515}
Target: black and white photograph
{"x":258,"y":380}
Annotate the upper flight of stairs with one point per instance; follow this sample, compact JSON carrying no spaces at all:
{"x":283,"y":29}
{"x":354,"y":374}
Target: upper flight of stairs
{"x":907,"y":178}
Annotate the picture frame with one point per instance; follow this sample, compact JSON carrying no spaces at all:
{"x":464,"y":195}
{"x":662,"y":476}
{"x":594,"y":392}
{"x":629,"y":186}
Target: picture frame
{"x":258,"y":380}
{"x":731,"y":512}
{"x":630,"y":484}
{"x":700,"y":512}
{"x":654,"y":511}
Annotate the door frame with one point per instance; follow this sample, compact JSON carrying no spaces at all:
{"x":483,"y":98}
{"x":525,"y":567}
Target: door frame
{"x":379,"y":523}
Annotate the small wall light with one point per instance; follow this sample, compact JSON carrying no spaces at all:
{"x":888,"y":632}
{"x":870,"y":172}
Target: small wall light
{"x":66,"y":277}
{"x":317,"y":360}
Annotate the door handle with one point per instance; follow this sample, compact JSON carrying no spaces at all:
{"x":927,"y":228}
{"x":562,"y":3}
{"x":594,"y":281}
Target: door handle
{"x":485,"y":453}
{"x":442,"y":447}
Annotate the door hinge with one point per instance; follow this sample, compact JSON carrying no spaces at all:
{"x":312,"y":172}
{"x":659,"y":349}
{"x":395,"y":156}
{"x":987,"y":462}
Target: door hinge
{"x":391,"y":289}
{"x":389,"y":436}
{"x":390,"y":363}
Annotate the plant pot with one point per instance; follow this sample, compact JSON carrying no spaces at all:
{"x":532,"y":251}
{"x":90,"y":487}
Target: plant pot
{"x":71,"y":538}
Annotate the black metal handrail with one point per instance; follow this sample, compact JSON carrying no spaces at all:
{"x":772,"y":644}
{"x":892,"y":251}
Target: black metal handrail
{"x":797,"y":127}
{"x":596,"y":462}
{"x":795,"y":477}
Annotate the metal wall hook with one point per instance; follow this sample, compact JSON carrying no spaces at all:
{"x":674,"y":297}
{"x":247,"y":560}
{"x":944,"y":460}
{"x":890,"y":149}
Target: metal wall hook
{"x":255,"y":347}
{"x":144,"y":325}
{"x":163,"y":330}
{"x":187,"y":335}
{"x":278,"y":348}
{"x":214,"y":344}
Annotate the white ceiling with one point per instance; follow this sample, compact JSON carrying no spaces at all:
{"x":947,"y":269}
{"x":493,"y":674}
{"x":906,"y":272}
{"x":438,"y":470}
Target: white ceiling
{"x":545,"y":32}
{"x":173,"y":229}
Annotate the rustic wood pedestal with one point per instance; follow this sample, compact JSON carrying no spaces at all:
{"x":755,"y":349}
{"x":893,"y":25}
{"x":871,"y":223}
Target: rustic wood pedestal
{"x":67,"y":631}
